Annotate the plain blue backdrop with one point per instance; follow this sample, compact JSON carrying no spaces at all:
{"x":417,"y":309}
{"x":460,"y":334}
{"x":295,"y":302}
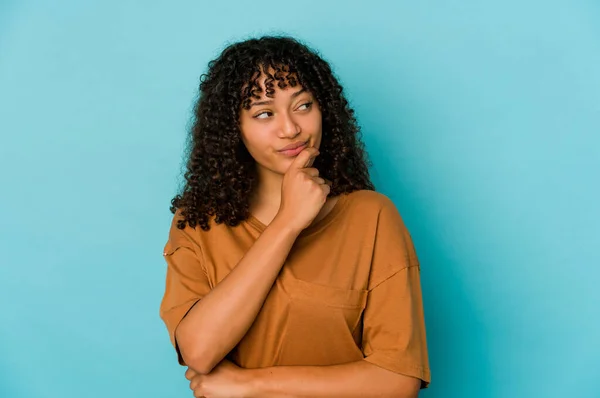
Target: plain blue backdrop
{"x":482,"y":120}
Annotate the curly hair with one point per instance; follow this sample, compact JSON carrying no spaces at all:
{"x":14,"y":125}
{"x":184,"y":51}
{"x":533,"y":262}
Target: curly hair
{"x":220,"y":173}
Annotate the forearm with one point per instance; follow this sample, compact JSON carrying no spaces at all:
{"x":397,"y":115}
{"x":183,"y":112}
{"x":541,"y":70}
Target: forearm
{"x":355,"y":379}
{"x":219,"y":321}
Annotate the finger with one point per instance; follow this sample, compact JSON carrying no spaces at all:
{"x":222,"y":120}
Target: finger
{"x":326,"y":189}
{"x":311,"y":161}
{"x":305,"y":158}
{"x":319,"y":180}
{"x":190,"y":373}
{"x":311,"y":172}
{"x":194,"y":383}
{"x":199,"y":393}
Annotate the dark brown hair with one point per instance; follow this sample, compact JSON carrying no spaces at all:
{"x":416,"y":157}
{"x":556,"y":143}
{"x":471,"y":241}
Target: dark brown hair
{"x":220,"y":173}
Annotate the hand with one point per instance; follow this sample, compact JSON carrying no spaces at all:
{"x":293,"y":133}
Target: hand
{"x":303,"y":192}
{"x":226,"y":380}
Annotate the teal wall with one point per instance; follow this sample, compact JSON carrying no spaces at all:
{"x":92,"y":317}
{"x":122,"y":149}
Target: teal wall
{"x":482,"y":120}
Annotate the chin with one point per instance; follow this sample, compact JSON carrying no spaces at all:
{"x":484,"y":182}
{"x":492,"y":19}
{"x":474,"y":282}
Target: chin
{"x":279,"y":166}
{"x":284,"y":165}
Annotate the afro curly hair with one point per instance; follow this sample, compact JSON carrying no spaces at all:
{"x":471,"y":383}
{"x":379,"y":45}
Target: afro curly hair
{"x":220,"y":172}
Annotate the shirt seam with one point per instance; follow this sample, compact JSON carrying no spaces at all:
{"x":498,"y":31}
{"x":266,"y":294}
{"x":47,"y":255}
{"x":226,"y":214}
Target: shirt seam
{"x":395,"y":272}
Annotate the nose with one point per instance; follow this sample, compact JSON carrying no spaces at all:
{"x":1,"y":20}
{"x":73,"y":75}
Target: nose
{"x":288,"y":128}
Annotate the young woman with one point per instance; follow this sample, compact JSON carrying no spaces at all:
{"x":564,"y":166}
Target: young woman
{"x":288,"y":275}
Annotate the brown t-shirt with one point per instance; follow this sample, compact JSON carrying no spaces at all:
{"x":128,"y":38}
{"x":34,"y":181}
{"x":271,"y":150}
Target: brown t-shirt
{"x":349,"y":289}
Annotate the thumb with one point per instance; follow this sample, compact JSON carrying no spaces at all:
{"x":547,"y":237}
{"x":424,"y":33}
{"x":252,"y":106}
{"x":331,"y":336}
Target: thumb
{"x":305,"y":158}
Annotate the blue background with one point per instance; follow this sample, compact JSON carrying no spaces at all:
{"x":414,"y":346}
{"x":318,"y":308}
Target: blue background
{"x":482,"y":120}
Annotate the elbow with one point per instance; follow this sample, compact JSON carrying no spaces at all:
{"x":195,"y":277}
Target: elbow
{"x":198,"y":365}
{"x":194,"y":355}
{"x":402,"y":386}
{"x":410,"y":394}
{"x":198,"y":360}
{"x":408,"y":390}
{"x":404,"y":393}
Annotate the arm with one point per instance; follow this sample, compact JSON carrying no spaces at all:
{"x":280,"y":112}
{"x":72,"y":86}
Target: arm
{"x":355,"y":379}
{"x":217,"y":322}
{"x":393,"y":340}
{"x":227,"y":312}
{"x":395,"y":360}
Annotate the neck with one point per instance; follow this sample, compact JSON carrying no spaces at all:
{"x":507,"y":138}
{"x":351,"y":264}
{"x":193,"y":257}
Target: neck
{"x":267,"y":196}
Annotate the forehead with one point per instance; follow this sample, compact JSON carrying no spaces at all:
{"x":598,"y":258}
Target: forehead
{"x":269,"y":84}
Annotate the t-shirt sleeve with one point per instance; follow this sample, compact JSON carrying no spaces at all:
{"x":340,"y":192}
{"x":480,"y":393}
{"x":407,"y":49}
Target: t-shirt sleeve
{"x":186,"y":281}
{"x":394,"y":325}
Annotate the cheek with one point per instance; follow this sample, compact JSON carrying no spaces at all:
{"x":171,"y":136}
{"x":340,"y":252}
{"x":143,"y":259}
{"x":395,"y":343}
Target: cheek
{"x":257,"y":142}
{"x":317,"y":120}
{"x":315,"y":126}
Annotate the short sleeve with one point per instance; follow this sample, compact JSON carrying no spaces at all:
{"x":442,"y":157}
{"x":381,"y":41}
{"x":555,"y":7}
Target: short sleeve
{"x":394,"y":335}
{"x":186,"y":282}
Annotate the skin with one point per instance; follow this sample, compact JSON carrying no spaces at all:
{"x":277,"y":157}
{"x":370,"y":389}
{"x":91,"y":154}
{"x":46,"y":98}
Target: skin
{"x":289,"y":197}
{"x":268,"y":126}
{"x":215,"y":324}
{"x":351,"y":380}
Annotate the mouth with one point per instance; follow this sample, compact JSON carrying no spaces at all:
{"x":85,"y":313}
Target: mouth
{"x":293,"y":149}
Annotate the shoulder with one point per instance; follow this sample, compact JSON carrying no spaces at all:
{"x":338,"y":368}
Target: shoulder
{"x":196,"y":237}
{"x":370,"y":201}
{"x":371,"y":207}
{"x":182,"y":237}
{"x":177,"y":237}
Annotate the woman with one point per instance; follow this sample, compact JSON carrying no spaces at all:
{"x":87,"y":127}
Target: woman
{"x":288,"y":275}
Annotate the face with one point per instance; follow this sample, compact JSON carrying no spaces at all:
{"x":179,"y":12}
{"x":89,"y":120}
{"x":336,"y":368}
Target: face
{"x":292,"y":116}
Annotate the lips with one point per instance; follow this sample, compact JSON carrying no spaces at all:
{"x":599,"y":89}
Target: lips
{"x":293,"y":146}
{"x":293,"y":149}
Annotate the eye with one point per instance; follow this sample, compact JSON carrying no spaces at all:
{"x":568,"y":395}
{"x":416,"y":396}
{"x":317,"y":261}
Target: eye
{"x":307,"y":106}
{"x":262,"y":115}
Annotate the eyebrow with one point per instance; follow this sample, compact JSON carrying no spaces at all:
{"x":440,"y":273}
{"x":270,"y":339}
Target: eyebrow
{"x":267,"y":102}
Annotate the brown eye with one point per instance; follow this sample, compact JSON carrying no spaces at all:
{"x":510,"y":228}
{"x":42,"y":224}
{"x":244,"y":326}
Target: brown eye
{"x":307,"y":105}
{"x":262,"y":115}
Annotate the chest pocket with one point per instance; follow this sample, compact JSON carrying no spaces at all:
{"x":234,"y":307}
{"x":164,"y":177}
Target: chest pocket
{"x":320,"y":322}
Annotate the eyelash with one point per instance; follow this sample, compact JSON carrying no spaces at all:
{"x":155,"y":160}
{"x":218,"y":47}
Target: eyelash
{"x":308,"y":104}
